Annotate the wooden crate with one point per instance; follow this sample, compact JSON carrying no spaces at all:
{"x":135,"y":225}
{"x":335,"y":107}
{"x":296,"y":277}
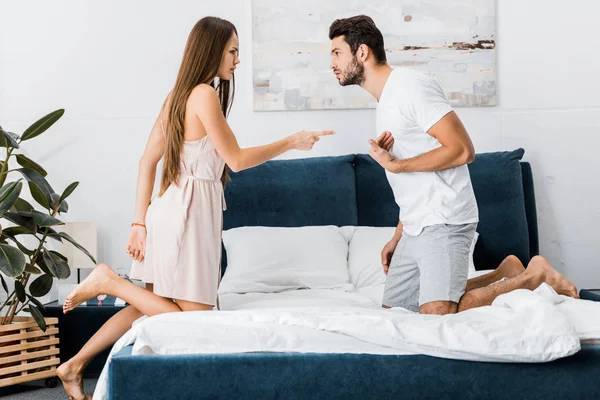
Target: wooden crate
{"x":26,"y":352}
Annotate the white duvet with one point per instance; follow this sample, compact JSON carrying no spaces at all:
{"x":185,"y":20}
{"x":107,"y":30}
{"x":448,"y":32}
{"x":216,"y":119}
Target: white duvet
{"x":520,"y":326}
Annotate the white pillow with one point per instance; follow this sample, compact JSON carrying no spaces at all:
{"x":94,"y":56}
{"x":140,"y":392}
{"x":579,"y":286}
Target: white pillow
{"x":364,"y":256}
{"x":264,"y":259}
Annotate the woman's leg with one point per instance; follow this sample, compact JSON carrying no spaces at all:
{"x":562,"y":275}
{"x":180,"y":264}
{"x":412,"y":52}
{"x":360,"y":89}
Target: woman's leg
{"x":104,"y":280}
{"x":71,"y":372}
{"x":192,"y":306}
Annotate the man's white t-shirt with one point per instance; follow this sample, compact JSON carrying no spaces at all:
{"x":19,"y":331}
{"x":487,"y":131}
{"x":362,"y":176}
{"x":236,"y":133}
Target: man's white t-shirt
{"x":410,"y":104}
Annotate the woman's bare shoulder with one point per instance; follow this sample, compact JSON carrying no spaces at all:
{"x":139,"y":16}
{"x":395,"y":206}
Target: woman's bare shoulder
{"x":202,"y":93}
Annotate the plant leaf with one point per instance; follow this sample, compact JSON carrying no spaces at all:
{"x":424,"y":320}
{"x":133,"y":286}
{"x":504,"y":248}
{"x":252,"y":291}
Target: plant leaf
{"x":15,"y":231}
{"x":7,"y":189}
{"x":20,"y":290}
{"x":39,"y":186}
{"x":31,"y":269}
{"x":26,"y":162}
{"x":55,"y":200}
{"x":52,"y":234}
{"x":43,"y":220}
{"x":38,"y":195}
{"x":35,"y":301}
{"x":69,"y":190}
{"x":10,"y":198}
{"x":74,"y":243}
{"x":40,"y":263}
{"x":57,"y":254}
{"x":56,"y":265}
{"x":12,"y":261}
{"x":24,"y":249}
{"x":21,"y":205}
{"x":64,"y":207}
{"x":4,"y":285}
{"x":41,"y":286}
{"x":42,"y":124}
{"x":38,"y":317}
{"x":21,"y":220}
{"x":9,"y":139}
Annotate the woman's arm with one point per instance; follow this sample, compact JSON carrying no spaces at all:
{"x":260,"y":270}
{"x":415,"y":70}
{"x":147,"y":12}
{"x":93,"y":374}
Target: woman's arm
{"x":136,"y":243}
{"x":205,"y":103}
{"x":147,"y":171}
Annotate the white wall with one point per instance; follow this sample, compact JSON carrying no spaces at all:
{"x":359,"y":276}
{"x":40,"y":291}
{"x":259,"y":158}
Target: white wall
{"x":110,"y":64}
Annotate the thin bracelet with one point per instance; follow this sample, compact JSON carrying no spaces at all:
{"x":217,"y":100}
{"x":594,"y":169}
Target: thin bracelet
{"x":138,"y":224}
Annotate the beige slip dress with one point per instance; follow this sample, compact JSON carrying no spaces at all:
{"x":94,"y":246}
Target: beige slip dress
{"x":184,"y":227}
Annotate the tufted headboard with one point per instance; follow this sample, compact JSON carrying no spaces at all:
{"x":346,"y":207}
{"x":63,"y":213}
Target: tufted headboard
{"x":353,"y":190}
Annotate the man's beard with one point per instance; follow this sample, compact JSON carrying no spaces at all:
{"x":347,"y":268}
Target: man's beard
{"x":354,"y":74}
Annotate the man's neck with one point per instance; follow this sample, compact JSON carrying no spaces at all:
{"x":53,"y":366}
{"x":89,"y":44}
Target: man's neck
{"x":375,"y":80}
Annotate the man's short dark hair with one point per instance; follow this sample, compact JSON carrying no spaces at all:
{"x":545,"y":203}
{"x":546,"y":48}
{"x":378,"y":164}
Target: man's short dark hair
{"x":360,"y":30}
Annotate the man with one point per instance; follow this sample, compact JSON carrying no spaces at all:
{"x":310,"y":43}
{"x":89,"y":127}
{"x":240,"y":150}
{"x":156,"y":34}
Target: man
{"x":426,"y":168}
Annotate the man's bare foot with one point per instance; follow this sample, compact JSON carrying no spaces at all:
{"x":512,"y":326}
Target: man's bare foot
{"x":72,"y":380}
{"x":510,"y":267}
{"x":539,"y":266}
{"x":91,"y":287}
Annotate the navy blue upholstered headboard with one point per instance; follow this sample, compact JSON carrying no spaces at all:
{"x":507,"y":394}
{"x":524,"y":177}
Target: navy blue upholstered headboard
{"x":353,"y":190}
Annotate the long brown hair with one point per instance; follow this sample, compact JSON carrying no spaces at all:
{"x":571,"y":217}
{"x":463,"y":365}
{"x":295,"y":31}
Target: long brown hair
{"x":200,"y":64}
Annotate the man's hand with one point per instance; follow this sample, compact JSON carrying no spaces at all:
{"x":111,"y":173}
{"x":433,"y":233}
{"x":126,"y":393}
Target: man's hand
{"x":385,"y":140}
{"x":387,"y":253}
{"x":379,"y":154}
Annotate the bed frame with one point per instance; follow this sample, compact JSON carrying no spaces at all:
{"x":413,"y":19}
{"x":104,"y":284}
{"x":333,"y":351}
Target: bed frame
{"x":353,"y":190}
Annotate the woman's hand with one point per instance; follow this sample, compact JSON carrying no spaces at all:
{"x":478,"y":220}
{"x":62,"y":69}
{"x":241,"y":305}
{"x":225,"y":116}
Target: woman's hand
{"x":305,"y":140}
{"x":136,"y":244}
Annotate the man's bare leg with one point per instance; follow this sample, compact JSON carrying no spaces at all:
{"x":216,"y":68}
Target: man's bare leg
{"x":538,"y":271}
{"x":510,"y":267}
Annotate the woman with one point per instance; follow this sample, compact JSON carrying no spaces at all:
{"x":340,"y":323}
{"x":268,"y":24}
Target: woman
{"x":176,"y":241}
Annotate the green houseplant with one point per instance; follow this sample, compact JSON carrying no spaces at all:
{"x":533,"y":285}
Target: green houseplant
{"x":17,"y":261}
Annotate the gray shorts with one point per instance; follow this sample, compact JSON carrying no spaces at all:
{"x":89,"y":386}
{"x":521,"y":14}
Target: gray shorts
{"x":430,"y":267}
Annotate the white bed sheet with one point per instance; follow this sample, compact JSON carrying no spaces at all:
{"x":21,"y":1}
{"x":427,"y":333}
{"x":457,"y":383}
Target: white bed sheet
{"x":521,"y":326}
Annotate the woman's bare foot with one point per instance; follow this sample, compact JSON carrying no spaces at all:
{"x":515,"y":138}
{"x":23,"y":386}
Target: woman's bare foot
{"x":510,"y":267}
{"x":92,"y":286}
{"x":541,"y":267}
{"x":72,"y":380}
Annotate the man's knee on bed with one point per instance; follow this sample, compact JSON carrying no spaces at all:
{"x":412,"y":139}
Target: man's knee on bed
{"x":439,"y":308}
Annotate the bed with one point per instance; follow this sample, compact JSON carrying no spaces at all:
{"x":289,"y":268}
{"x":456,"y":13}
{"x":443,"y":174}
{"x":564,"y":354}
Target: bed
{"x":352,"y":191}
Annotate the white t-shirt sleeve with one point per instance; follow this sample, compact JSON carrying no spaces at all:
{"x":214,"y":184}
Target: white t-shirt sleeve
{"x":428,"y":103}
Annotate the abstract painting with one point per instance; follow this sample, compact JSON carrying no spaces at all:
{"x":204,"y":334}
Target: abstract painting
{"x":452,"y":40}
